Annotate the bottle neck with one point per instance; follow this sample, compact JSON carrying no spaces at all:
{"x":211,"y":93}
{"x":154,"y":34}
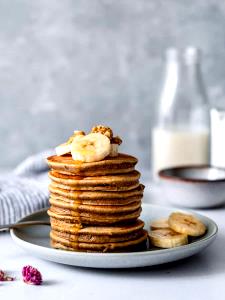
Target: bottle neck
{"x":186,"y":74}
{"x":191,"y":76}
{"x":183,"y":98}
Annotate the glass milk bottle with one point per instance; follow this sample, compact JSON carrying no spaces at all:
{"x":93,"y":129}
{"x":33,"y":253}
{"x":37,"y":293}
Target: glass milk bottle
{"x":181,"y":135}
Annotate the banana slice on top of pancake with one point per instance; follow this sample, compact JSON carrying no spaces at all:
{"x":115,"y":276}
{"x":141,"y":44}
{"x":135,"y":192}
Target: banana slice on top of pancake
{"x":91,"y":147}
{"x":63,"y":149}
{"x":66,"y":147}
{"x":115,"y":141}
{"x":114,"y":150}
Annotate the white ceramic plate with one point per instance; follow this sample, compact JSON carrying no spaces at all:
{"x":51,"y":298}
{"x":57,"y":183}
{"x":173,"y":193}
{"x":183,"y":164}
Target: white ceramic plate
{"x":35,"y":239}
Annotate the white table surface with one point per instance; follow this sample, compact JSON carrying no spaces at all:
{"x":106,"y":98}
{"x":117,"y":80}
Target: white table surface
{"x":199,"y":277}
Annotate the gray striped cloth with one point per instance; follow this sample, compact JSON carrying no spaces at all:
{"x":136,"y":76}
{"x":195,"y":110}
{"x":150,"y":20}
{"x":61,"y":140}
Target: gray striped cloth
{"x":25,"y":190}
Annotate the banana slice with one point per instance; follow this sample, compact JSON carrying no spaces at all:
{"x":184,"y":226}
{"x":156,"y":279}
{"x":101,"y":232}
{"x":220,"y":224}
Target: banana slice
{"x":114,"y":150}
{"x":91,"y":147}
{"x":66,"y":147}
{"x":167,"y":238}
{"x":186,"y":224}
{"x":78,"y":133}
{"x":63,"y":149}
{"x":159,"y":224}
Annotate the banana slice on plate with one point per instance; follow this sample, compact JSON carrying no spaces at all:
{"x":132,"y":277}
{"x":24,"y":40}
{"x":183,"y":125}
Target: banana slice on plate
{"x":66,"y":147}
{"x":187,"y":224}
{"x":159,"y":224}
{"x":91,"y":147}
{"x":167,"y":238}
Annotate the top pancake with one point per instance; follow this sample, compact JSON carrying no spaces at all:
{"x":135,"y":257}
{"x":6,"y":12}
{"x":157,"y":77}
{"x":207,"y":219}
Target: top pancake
{"x":122,"y":163}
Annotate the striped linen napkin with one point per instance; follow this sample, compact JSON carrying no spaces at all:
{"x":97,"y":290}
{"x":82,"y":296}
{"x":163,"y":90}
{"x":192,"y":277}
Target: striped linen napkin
{"x":25,"y":190}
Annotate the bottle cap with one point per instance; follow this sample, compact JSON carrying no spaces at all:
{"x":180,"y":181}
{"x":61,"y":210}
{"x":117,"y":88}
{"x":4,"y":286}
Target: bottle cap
{"x":172,"y":54}
{"x":192,"y":55}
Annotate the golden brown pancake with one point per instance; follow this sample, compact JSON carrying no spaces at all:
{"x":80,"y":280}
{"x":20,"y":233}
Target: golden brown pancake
{"x":123,"y":163}
{"x":97,"y":235}
{"x":96,"y":195}
{"x":96,"y":239}
{"x":97,"y":230}
{"x":102,"y":209}
{"x":96,"y":202}
{"x":60,"y":242}
{"x":121,"y":182}
{"x":129,"y":186}
{"x":92,"y":218}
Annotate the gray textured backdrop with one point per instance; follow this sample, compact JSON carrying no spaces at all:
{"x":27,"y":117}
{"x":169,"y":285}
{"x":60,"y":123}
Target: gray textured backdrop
{"x":70,"y":64}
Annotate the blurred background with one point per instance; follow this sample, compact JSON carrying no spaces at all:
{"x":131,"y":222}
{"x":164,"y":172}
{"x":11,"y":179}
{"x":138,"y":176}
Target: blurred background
{"x":68,"y":65}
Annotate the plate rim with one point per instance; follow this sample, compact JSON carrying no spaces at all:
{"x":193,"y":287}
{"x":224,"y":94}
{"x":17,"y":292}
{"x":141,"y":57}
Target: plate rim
{"x":119,"y":254}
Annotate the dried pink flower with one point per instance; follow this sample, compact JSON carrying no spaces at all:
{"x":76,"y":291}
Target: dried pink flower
{"x":31,"y":275}
{"x":4,"y":277}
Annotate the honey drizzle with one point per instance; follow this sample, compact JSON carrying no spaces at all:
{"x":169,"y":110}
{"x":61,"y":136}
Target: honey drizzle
{"x":78,"y":225}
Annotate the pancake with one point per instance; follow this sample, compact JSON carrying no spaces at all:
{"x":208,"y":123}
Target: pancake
{"x":92,"y":218}
{"x":97,"y":230}
{"x":105,"y":188}
{"x":130,"y":186}
{"x":63,"y":243}
{"x":96,"y":239}
{"x":121,"y":182}
{"x":100,"y":209}
{"x":123,"y":163}
{"x":95,"y":202}
{"x":96,"y":195}
{"x":98,"y":234}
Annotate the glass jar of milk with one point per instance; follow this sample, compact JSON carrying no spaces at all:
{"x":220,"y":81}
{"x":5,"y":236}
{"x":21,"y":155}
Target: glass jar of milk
{"x":181,"y":134}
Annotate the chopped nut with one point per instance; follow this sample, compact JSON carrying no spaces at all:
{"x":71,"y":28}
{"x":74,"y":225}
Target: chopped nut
{"x":107,"y":131}
{"x":116,"y":140}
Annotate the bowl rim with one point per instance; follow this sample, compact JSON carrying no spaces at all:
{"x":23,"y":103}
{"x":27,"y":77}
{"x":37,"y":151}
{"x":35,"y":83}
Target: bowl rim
{"x":162,"y":174}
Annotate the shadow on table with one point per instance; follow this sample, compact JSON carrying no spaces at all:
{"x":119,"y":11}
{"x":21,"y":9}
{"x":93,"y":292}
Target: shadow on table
{"x":50,"y":282}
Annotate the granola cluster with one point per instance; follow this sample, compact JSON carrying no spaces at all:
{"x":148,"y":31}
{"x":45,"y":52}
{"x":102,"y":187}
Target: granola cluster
{"x":107,"y":131}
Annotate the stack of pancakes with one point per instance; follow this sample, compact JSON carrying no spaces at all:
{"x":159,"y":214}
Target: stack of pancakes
{"x":95,"y":206}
